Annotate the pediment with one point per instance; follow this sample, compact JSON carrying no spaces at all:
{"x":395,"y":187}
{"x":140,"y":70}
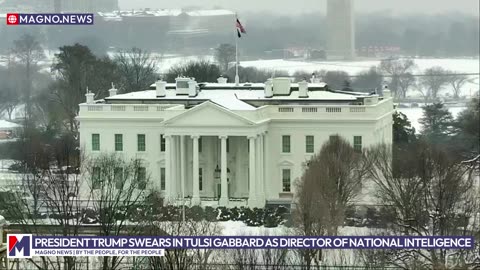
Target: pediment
{"x":208,"y":114}
{"x":285,"y":163}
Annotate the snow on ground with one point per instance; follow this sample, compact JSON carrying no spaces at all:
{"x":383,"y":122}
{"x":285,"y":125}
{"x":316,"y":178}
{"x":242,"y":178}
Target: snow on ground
{"x":334,"y":257}
{"x":355,"y":67}
{"x":414,"y":115}
{"x":238,"y":228}
{"x":351,"y":67}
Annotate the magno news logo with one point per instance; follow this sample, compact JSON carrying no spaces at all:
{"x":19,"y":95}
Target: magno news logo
{"x":19,"y":245}
{"x":50,"y":19}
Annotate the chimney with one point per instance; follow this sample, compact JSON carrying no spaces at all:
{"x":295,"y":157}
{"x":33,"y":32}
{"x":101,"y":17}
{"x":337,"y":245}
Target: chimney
{"x":160,"y":86}
{"x":192,"y":88}
{"x":90,"y":97}
{"x":303,"y":89}
{"x":113,"y":91}
{"x":269,"y":88}
{"x":386,"y":92}
{"x":222,"y":80}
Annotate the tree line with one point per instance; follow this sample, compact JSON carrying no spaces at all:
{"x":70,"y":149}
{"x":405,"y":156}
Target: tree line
{"x":426,"y":184}
{"x":50,"y":99}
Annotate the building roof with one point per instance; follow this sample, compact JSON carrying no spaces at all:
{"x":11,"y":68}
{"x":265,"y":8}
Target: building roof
{"x":236,"y":97}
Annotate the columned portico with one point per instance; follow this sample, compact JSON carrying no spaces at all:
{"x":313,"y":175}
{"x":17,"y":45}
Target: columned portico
{"x":221,"y":164}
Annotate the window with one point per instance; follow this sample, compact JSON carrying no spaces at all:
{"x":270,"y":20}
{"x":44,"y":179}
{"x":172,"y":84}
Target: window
{"x":142,"y":177}
{"x":200,"y":178}
{"x":95,"y":142}
{"x":309,"y":144}
{"x":228,"y":145}
{"x":118,"y":178}
{"x":96,"y":178}
{"x":162,"y":143}
{"x":140,"y":142}
{"x":200,"y":144}
{"x":118,"y":142}
{"x":357,"y":143}
{"x":286,"y":180}
{"x":286,"y":144}
{"x":333,"y":137}
{"x":162,"y":179}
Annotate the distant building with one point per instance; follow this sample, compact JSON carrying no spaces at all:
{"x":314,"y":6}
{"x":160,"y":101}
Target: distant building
{"x":341,"y":29}
{"x":25,"y":6}
{"x":173,"y":28}
{"x":8,"y":130}
{"x":85,"y":5}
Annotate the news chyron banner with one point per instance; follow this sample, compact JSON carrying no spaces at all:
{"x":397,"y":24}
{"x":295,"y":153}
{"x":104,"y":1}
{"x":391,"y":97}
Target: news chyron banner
{"x":27,"y":245}
{"x":50,"y":19}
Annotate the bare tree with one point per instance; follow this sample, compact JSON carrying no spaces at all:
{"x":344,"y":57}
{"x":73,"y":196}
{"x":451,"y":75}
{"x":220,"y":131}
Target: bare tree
{"x":405,"y":83}
{"x":117,"y":188}
{"x":137,"y":68}
{"x":47,"y":200}
{"x":430,"y":193}
{"x":401,"y":76}
{"x":9,"y":97}
{"x":456,"y":81}
{"x":433,"y":81}
{"x":28,"y":51}
{"x":330,"y":182}
{"x":245,"y":259}
{"x":224,"y":54}
{"x":184,"y":258}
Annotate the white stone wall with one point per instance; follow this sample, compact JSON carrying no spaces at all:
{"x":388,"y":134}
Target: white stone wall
{"x":373,"y":123}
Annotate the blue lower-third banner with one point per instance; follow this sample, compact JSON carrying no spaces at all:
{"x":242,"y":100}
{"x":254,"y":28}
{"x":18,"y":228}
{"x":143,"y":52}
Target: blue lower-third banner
{"x":27,"y":245}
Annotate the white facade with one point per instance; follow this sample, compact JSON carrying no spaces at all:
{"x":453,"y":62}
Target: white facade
{"x":230,"y":145}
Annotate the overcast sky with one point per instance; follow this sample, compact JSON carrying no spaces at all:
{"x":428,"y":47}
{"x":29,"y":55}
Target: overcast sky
{"x":302,"y":6}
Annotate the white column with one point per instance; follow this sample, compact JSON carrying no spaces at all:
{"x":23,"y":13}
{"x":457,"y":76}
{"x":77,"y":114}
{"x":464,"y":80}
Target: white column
{"x":182,"y":166}
{"x":196,"y":188}
{"x":261,"y":168}
{"x":173,"y":167}
{"x":223,"y":172}
{"x":252,"y":197}
{"x":168,"y":170}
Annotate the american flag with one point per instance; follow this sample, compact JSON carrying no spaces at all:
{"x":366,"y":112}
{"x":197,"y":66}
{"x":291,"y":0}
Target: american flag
{"x":240,"y":29}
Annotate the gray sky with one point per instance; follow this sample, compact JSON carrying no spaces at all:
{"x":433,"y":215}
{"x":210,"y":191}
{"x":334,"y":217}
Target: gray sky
{"x":301,"y":6}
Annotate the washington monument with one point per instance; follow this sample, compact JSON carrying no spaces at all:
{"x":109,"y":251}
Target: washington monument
{"x":341,"y":30}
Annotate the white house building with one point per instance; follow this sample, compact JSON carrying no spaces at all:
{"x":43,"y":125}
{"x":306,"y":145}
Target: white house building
{"x":222,"y":144}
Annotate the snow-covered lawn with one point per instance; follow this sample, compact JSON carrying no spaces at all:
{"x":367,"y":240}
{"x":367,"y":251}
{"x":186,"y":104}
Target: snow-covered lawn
{"x":354,"y":67}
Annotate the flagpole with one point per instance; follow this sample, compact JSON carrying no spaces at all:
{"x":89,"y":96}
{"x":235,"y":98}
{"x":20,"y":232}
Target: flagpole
{"x":237,"y":78}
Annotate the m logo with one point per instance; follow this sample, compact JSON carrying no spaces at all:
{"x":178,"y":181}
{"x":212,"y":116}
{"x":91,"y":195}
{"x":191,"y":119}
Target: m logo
{"x":19,"y":245}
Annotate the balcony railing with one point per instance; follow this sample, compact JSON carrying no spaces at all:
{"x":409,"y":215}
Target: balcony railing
{"x":280,"y":111}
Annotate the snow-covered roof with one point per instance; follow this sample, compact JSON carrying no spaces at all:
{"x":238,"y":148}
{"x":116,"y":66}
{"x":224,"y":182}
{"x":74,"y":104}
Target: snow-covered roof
{"x":235,"y":97}
{"x":6,"y":125}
